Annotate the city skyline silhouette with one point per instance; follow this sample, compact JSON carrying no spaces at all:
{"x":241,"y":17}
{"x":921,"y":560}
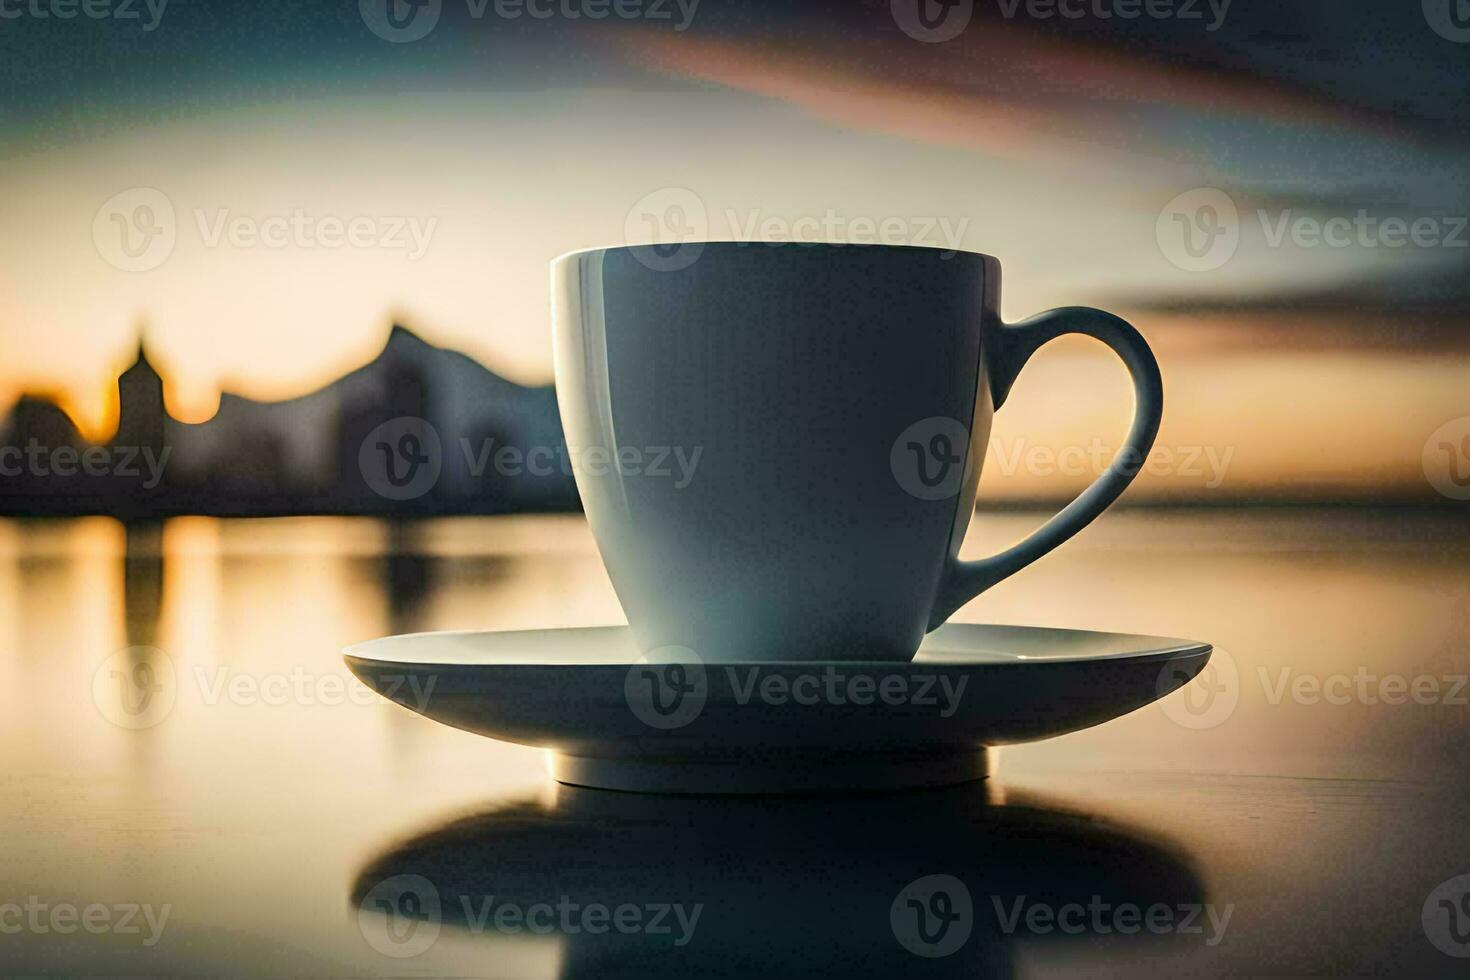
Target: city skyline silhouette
{"x":319,"y":453}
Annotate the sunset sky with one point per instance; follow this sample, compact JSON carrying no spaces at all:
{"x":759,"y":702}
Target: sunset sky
{"x":468,"y":159}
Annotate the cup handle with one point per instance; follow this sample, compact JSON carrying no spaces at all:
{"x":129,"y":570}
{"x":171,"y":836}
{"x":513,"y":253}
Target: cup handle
{"x":1010,"y":348}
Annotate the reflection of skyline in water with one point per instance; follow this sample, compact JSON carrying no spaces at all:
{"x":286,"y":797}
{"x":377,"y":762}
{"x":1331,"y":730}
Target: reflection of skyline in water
{"x":408,"y":575}
{"x":253,"y":814}
{"x":142,"y":582}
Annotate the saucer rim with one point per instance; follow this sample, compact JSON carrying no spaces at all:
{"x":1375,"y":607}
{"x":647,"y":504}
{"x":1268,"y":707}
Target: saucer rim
{"x":1161,"y":648}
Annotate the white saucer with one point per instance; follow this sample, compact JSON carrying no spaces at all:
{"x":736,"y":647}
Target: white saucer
{"x":616,"y":721}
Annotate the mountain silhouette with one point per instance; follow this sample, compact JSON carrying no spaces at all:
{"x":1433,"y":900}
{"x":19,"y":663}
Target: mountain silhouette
{"x":480,"y":444}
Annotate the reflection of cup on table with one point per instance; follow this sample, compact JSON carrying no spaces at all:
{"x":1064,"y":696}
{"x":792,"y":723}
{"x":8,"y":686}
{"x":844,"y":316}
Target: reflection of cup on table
{"x":784,"y":886}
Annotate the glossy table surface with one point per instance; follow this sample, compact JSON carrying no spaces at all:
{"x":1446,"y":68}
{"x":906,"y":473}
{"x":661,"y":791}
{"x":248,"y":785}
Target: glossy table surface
{"x":1302,"y":808}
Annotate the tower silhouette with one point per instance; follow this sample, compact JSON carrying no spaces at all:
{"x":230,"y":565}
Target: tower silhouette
{"x":141,"y":416}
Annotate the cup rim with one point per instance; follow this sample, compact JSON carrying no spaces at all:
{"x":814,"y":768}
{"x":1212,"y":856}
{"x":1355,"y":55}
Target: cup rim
{"x":578,"y":252}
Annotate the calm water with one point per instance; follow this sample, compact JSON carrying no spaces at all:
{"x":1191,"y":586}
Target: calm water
{"x":1304,"y":799}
